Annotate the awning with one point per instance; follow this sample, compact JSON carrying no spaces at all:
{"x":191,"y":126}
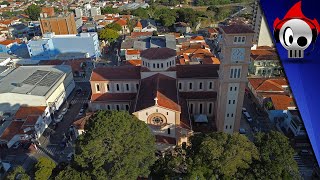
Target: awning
{"x":200,"y":118}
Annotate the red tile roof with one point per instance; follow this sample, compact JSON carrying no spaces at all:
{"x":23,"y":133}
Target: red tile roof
{"x":282,"y":102}
{"x":158,"y":53}
{"x":25,"y":111}
{"x":80,"y":123}
{"x":13,"y":129}
{"x":161,"y":87}
{"x":139,"y":25}
{"x":237,"y":29}
{"x":115,"y":73}
{"x":31,"y":120}
{"x":138,"y":34}
{"x":131,"y":52}
{"x":165,"y":140}
{"x":185,"y":121}
{"x":113,"y":97}
{"x":134,"y":62}
{"x":268,"y":84}
{"x":121,"y":22}
{"x":198,"y":71}
{"x":8,"y":41}
{"x":197,"y":38}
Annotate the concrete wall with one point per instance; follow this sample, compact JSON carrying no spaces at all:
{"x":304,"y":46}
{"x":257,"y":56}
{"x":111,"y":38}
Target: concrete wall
{"x":103,"y":86}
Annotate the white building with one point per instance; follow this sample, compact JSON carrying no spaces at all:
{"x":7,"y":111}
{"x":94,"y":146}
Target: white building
{"x":35,"y":86}
{"x":87,"y":11}
{"x":262,"y":35}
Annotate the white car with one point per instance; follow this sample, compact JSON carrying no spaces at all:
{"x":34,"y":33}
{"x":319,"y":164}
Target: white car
{"x":81,"y":112}
{"x":16,"y":145}
{"x":242,"y":131}
{"x":59,"y":119}
{"x":247,"y":116}
{"x":64,"y":111}
{"x":70,"y":156}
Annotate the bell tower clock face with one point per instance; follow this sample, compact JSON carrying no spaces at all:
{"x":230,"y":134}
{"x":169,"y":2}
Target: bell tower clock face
{"x":237,"y":54}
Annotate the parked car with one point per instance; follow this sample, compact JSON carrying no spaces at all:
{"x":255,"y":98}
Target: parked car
{"x":64,"y":111}
{"x":247,"y":116}
{"x":16,"y":145}
{"x":81,"y":112}
{"x":305,"y":152}
{"x":59,"y":119}
{"x":244,"y":110}
{"x":70,"y":156}
{"x":242,"y":131}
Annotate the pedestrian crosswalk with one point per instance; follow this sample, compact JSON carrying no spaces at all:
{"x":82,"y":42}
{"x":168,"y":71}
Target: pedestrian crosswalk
{"x":304,"y":169}
{"x":80,"y":101}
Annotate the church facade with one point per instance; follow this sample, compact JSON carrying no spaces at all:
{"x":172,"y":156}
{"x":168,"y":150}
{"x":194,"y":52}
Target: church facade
{"x":178,"y":100}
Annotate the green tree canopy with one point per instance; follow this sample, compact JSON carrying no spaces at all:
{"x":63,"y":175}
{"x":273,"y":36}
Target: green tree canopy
{"x":109,"y":10}
{"x":114,"y":26}
{"x":220,"y":155}
{"x":70,"y":173}
{"x":109,"y":35}
{"x":276,"y":157}
{"x":141,"y":12}
{"x":5,"y":3}
{"x":17,"y":173}
{"x":115,"y":145}
{"x":33,"y":11}
{"x":44,"y":168}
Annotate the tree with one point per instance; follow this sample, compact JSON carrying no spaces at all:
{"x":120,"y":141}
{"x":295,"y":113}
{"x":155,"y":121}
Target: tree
{"x":109,"y":35}
{"x":16,"y":173}
{"x":141,"y":12}
{"x":173,"y":164}
{"x":109,"y":10}
{"x":115,"y":145}
{"x":276,"y":157}
{"x":220,"y":155}
{"x":70,"y":173}
{"x":114,"y":26}
{"x":269,"y":105}
{"x":44,"y":168}
{"x":33,"y":11}
{"x":5,"y":3}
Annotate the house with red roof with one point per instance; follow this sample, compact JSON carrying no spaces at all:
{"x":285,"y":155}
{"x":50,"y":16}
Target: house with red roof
{"x":28,"y":124}
{"x":123,"y":23}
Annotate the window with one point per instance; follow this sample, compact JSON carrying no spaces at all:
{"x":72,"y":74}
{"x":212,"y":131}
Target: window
{"x":231,"y":114}
{"x":231,"y":73}
{"x":97,"y":87}
{"x":235,"y":73}
{"x":210,"y":108}
{"x":235,"y":88}
{"x":168,"y":130}
{"x":230,"y":126}
{"x":242,"y":40}
{"x":234,"y":101}
{"x":118,"y":107}
{"x":157,"y":120}
{"x":190,"y":86}
{"x":239,"y":73}
{"x":226,"y":126}
{"x":143,"y":62}
{"x":229,"y":101}
{"x":127,"y":86}
{"x":137,"y":87}
{"x":200,"y":108}
{"x":170,"y":63}
{"x":167,"y":113}
{"x":158,"y":65}
{"x":161,"y":65}
{"x":117,"y":87}
{"x":167,"y":64}
{"x":239,"y":40}
{"x":180,"y":86}
{"x":156,"y":110}
{"x":108,"y":107}
{"x":228,"y":115}
{"x":200,"y":85}
{"x":191,"y":108}
{"x":127,"y":107}
{"x":230,"y":88}
{"x":147,"y":113}
{"x":108,"y":87}
{"x":210,"y":85}
{"x":154,"y":65}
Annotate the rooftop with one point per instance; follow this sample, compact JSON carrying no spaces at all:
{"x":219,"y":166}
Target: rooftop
{"x":268,"y":84}
{"x":158,"y":53}
{"x":32,"y":80}
{"x":237,"y":29}
{"x":25,"y":111}
{"x":115,"y":73}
